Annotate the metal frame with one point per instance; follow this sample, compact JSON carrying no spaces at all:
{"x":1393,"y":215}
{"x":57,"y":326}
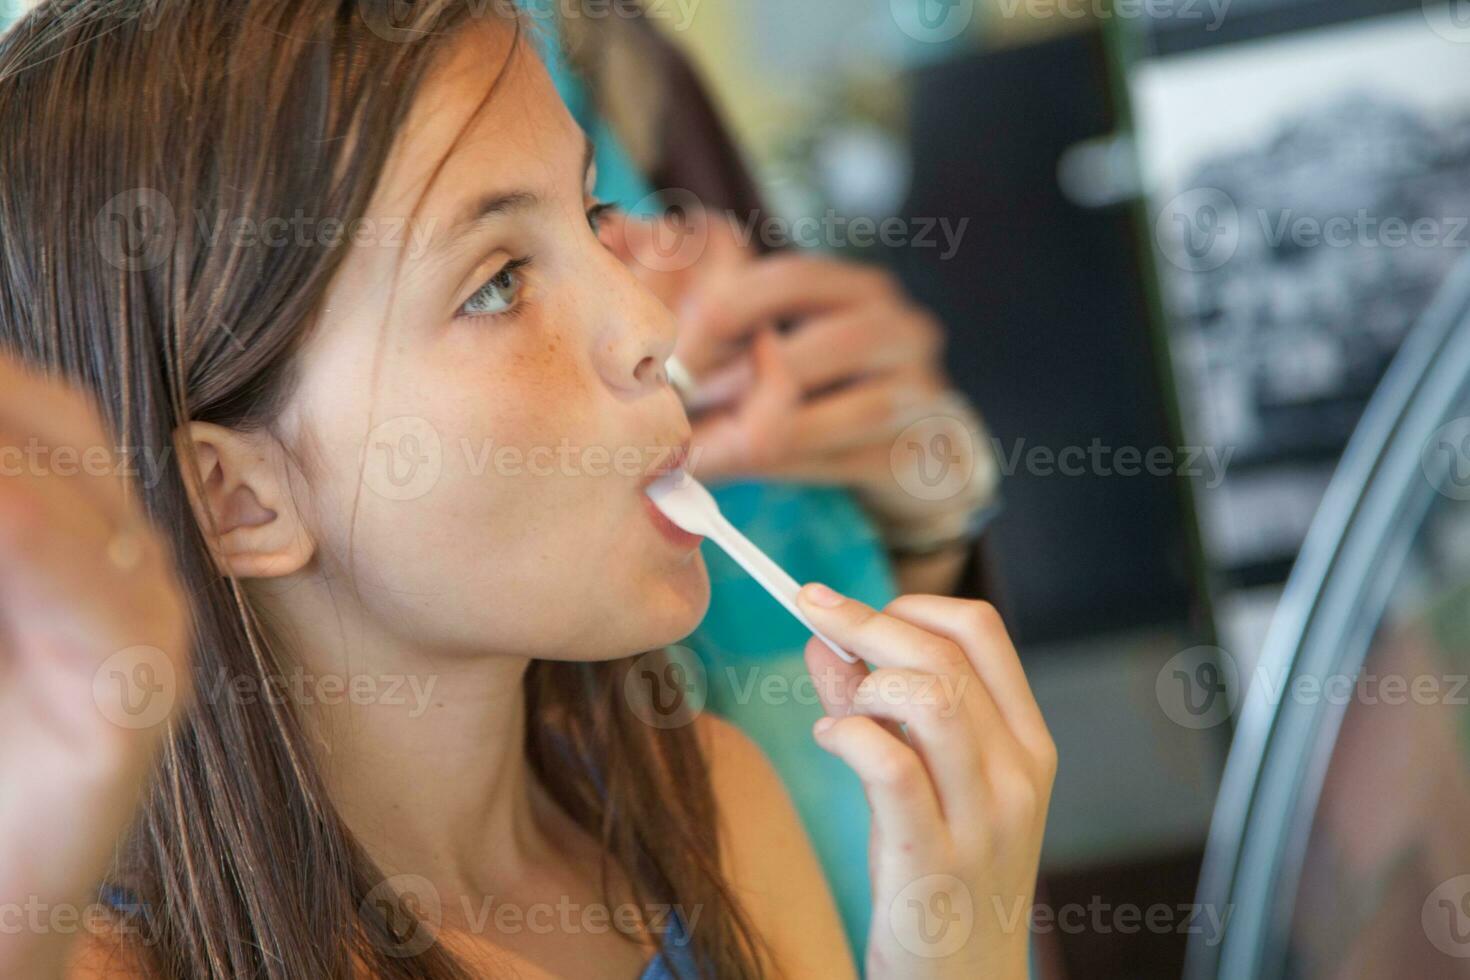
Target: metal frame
{"x":1324,"y":625}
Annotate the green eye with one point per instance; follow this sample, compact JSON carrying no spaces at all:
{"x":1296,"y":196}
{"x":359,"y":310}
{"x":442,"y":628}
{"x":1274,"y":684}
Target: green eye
{"x":499,"y":294}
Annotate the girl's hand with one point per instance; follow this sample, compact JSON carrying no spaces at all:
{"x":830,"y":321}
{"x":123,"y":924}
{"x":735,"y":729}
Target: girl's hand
{"x":959,"y":794}
{"x":94,"y":635}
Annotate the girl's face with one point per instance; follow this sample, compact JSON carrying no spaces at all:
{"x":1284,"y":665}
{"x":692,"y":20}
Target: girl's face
{"x":484,"y":398}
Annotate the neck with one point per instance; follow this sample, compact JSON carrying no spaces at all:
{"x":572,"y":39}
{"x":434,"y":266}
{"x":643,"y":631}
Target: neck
{"x":432,"y":777}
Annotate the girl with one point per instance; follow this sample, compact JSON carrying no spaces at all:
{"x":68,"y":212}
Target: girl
{"x":329,"y":274}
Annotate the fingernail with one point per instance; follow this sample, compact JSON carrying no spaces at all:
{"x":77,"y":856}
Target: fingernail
{"x":819,"y":595}
{"x":823,"y":723}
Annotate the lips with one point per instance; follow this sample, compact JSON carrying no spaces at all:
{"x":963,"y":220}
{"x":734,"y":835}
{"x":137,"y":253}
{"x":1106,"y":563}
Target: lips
{"x":670,"y":461}
{"x":673,"y":533}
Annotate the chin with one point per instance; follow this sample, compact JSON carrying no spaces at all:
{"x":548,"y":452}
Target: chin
{"x":681,"y":598}
{"x":647,"y":611}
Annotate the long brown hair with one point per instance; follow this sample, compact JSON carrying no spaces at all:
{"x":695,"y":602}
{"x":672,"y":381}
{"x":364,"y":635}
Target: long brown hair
{"x":121,"y":120}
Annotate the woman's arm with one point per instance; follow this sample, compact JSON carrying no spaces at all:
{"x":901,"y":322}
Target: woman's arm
{"x":769,"y":860}
{"x":936,"y":574}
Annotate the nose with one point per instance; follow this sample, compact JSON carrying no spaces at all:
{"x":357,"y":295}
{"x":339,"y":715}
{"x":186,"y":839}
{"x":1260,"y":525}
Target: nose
{"x":636,"y":333}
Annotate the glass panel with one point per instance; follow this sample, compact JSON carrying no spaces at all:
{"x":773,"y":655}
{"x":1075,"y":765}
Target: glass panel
{"x":1385,"y":886}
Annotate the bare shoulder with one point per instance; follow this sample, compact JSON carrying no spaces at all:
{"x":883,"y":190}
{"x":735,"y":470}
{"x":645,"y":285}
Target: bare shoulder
{"x":755,"y":809}
{"x":732,"y":755}
{"x":768,"y":857}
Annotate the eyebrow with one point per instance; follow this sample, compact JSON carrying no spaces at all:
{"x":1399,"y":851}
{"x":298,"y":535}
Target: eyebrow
{"x":496,"y":205}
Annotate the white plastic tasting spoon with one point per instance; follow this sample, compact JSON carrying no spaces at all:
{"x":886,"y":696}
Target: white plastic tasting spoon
{"x":688,"y":504}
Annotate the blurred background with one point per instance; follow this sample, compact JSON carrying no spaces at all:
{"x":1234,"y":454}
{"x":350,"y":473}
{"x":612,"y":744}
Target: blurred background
{"x":1178,"y":245}
{"x":1187,"y":239}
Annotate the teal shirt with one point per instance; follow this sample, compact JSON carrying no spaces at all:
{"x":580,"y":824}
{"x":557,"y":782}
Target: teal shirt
{"x":751,"y":647}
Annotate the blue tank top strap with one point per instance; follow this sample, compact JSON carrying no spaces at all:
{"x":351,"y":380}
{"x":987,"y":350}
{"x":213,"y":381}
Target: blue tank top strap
{"x":675,"y":958}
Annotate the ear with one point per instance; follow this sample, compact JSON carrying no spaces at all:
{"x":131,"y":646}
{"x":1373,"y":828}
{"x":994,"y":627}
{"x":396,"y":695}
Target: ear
{"x":243,"y":487}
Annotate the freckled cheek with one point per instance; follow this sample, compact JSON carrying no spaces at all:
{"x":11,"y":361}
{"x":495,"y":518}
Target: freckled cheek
{"x":545,"y":403}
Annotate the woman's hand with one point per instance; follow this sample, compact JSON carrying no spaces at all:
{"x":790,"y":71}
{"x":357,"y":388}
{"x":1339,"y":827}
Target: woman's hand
{"x":94,"y":634}
{"x":855,"y":394}
{"x":864,"y":360}
{"x":861,"y":362}
{"x":959,"y":794}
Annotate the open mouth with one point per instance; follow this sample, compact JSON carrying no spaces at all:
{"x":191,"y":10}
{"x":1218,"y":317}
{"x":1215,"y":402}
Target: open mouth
{"x":671,"y":462}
